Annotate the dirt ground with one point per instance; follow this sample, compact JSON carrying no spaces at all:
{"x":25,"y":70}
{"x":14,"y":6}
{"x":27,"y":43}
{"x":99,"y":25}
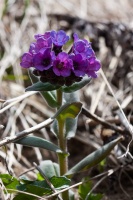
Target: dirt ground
{"x":109,"y":26}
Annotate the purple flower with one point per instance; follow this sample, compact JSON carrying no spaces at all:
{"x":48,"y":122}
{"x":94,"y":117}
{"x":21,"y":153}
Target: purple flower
{"x":44,"y":59}
{"x":79,"y":47}
{"x":76,"y":37}
{"x":79,"y":65}
{"x":59,"y":38}
{"x":32,"y":48}
{"x":62,"y":65}
{"x":53,"y":65}
{"x":27,"y":60}
{"x":89,"y":52}
{"x":40,"y":44}
{"x":93,"y":66}
{"x":46,"y":35}
{"x":83,"y":47}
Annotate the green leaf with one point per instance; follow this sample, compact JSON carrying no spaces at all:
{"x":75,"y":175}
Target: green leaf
{"x":54,"y":128}
{"x":32,"y":188}
{"x":84,"y":188}
{"x":50,"y":99}
{"x":94,"y":196}
{"x":9,"y":181}
{"x":49,"y":168}
{"x":71,"y":124}
{"x":49,"y":96}
{"x":24,"y":196}
{"x":71,"y":97}
{"x":70,"y":127}
{"x":41,"y":188}
{"x":77,"y":86}
{"x":60,"y":183}
{"x":33,"y":141}
{"x":70,"y":110}
{"x":39,"y":86}
{"x":25,"y":179}
{"x":94,"y":158}
{"x":71,"y":195}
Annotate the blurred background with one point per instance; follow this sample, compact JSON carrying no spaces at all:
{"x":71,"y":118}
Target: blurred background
{"x":109,"y":26}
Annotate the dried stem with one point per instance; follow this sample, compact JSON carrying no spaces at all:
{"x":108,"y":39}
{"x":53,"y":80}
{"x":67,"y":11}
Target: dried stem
{"x":26,"y":132}
{"x":98,"y":119}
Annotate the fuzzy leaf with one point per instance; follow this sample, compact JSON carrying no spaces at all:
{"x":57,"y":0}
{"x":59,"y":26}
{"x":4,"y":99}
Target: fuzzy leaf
{"x":39,"y":86}
{"x":41,"y":188}
{"x":70,"y":110}
{"x":33,"y":141}
{"x":49,"y":96}
{"x":54,"y":128}
{"x":77,"y":86}
{"x":50,"y":99}
{"x":94,"y":158}
{"x":71,"y":124}
{"x":70,"y":127}
{"x":49,"y":168}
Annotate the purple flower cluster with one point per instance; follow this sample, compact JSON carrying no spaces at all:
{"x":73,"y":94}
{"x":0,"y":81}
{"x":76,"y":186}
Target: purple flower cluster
{"x":53,"y":65}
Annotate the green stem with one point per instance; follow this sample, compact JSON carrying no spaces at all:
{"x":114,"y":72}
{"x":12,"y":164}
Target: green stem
{"x":63,"y":161}
{"x":62,"y":142}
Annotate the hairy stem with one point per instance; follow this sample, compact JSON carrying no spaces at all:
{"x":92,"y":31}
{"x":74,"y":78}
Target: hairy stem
{"x":63,"y":161}
{"x":62,"y":142}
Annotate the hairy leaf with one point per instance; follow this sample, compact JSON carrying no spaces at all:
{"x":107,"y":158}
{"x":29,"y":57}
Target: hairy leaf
{"x":41,"y":188}
{"x":49,"y":96}
{"x":39,"y":86}
{"x":94,"y":158}
{"x":49,"y":168}
{"x":33,"y":141}
{"x":77,"y":86}
{"x":70,"y":110}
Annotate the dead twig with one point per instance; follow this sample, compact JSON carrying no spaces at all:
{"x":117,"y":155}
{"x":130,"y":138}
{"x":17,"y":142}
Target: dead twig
{"x":122,"y":120}
{"x":28,"y":170}
{"x":101,"y":121}
{"x":27,"y":193}
{"x":26,"y":132}
{"x":128,"y":126}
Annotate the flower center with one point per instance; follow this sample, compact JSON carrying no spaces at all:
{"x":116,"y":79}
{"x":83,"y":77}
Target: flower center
{"x":60,"y":65}
{"x":76,"y":65}
{"x":46,"y":62}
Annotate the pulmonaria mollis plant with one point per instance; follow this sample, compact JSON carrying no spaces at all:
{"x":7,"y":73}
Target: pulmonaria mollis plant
{"x":57,"y":75}
{"x":52,"y":64}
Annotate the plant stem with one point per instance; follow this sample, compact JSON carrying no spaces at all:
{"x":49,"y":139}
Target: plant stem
{"x":63,"y":161}
{"x":62,"y":142}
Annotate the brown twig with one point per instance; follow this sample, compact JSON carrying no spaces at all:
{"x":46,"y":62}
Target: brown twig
{"x":26,"y":132}
{"x":27,"y":193}
{"x":28,"y":170}
{"x":101,"y":121}
{"x":122,"y":120}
